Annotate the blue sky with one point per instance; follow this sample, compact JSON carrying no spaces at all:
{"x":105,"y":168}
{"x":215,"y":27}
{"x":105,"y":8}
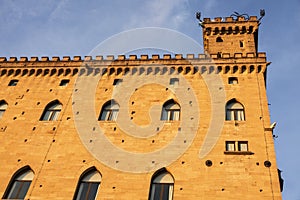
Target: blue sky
{"x":71,"y":27}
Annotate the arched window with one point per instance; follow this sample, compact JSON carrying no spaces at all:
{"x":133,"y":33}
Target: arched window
{"x":235,"y":111}
{"x":170,"y":111}
{"x":19,"y":184}
{"x":219,"y":39}
{"x":162,"y":185}
{"x":109,"y":111}
{"x":51,"y":111}
{"x":3,"y":107}
{"x":88,"y":185}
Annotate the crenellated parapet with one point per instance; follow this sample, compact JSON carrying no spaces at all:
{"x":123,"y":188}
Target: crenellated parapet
{"x":122,"y":64}
{"x":230,"y":34}
{"x":44,"y":59}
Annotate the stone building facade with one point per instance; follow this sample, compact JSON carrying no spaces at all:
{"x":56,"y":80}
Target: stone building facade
{"x":141,"y":127}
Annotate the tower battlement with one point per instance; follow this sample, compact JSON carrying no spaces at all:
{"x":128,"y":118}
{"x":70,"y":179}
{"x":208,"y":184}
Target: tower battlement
{"x":45,"y":59}
{"x":230,"y":35}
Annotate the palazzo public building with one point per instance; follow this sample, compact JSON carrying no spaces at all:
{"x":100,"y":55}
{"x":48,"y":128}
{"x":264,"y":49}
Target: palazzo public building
{"x":157,"y":127}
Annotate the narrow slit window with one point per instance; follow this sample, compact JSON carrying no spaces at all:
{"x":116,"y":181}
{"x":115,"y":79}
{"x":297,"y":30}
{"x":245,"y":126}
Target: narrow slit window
{"x":241,"y":43}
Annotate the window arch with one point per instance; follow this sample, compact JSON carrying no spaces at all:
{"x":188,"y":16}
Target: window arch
{"x":19,"y":184}
{"x":88,"y":185}
{"x":235,"y":111}
{"x":219,"y":39}
{"x":51,"y":111}
{"x":162,"y":185}
{"x":3,"y":107}
{"x":109,"y":111}
{"x":170,"y":111}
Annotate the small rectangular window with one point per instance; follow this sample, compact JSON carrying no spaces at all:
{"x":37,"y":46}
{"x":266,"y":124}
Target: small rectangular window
{"x":232,"y":80}
{"x":64,"y":82}
{"x":13,"y":82}
{"x":174,"y":81}
{"x":243,"y":146}
{"x":117,"y":81}
{"x":230,"y":146}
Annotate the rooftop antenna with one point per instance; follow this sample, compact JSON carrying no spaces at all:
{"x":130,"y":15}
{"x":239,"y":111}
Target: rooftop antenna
{"x":198,"y":16}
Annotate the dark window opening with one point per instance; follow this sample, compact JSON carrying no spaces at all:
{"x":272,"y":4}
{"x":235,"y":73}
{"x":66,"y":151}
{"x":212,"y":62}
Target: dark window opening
{"x":241,"y":44}
{"x":232,"y":80}
{"x":174,"y":81}
{"x":64,"y":82}
{"x":117,"y":81}
{"x":13,"y":82}
{"x":219,"y":39}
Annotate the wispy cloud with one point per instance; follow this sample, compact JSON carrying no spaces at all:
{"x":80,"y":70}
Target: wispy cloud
{"x":59,"y":10}
{"x":170,"y":13}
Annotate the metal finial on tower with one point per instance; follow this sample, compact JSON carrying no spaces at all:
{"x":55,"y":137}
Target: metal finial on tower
{"x":198,"y":16}
{"x":262,"y":14}
{"x":237,"y":15}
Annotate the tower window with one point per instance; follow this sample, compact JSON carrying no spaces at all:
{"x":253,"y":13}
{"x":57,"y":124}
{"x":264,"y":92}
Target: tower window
{"x":51,"y":111}
{"x":170,"y":111}
{"x":243,"y":146}
{"x":117,"y":81}
{"x":234,"y":111}
{"x":13,"y":82}
{"x":19,"y":185}
{"x":3,"y":107}
{"x":232,"y":80}
{"x":219,"y":39}
{"x":109,"y":111}
{"x":241,"y":43}
{"x":64,"y":82}
{"x":162,"y":186}
{"x":230,"y":145}
{"x":174,"y":81}
{"x":236,"y":146}
{"x":88,"y":185}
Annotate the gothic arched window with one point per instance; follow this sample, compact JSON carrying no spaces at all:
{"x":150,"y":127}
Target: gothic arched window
{"x":51,"y":111}
{"x":162,"y":186}
{"x":3,"y":107}
{"x":170,"y":111}
{"x":19,"y":184}
{"x":109,"y":111}
{"x":235,"y":111}
{"x":88,"y":185}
